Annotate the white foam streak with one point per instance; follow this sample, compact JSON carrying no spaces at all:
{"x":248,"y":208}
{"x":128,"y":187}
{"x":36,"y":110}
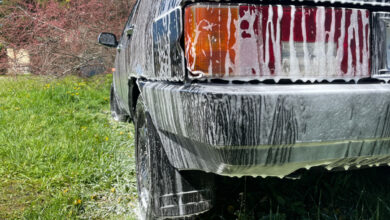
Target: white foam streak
{"x":294,"y":63}
{"x":277,"y":43}
{"x":319,"y":48}
{"x":330,"y":62}
{"x":247,"y":47}
{"x":366,"y":42}
{"x":269,"y":28}
{"x":210,"y":70}
{"x":306,"y":59}
{"x":351,"y":30}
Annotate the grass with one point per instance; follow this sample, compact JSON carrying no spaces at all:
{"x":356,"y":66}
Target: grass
{"x":61,"y":154}
{"x":63,"y":157}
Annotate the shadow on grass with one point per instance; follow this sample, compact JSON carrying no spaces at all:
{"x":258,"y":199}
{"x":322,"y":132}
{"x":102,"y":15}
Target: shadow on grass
{"x":18,"y":195}
{"x":318,"y":194}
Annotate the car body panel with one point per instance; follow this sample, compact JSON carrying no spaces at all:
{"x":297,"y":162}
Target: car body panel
{"x":135,"y":54}
{"x":240,"y":126}
{"x":244,"y":129}
{"x":167,"y":52}
{"x":380,"y":47}
{"x":141,"y":47}
{"x":146,"y":53}
{"x":271,"y":130}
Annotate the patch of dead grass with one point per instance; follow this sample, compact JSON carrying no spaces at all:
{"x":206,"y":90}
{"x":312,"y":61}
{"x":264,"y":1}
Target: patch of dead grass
{"x":15,"y":197}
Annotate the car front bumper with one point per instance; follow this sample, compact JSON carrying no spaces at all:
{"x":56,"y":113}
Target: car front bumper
{"x":270,"y":130}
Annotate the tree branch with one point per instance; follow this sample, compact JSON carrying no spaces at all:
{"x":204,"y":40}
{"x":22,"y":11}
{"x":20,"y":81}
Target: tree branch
{"x":40,"y":21}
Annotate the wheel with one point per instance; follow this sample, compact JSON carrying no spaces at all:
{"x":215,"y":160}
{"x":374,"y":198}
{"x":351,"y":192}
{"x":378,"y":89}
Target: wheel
{"x":162,"y":190}
{"x":143,"y":161}
{"x":116,"y":112}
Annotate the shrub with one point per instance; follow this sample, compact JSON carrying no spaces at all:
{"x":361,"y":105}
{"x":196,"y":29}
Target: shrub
{"x":61,"y":36}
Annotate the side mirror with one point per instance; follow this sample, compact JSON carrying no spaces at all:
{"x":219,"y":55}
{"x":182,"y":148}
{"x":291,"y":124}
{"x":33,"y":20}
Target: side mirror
{"x":108,"y":39}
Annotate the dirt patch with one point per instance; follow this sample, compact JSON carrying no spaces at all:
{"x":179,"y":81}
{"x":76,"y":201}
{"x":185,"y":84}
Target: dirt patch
{"x":15,"y":197}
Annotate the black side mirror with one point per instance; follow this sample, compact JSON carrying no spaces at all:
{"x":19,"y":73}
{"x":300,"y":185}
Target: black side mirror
{"x":108,"y":39}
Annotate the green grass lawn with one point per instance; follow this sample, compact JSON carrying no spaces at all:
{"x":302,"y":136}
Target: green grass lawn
{"x":63,"y":157}
{"x":61,"y":154}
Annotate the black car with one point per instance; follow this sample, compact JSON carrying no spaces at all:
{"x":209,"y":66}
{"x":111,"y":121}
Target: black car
{"x":250,"y":88}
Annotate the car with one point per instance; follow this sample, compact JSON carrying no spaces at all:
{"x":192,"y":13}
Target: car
{"x":249,"y":88}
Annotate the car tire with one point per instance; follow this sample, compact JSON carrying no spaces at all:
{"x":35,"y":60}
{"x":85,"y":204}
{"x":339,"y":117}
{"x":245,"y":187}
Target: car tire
{"x":116,"y":112}
{"x":143,"y":161}
{"x":164,"y":192}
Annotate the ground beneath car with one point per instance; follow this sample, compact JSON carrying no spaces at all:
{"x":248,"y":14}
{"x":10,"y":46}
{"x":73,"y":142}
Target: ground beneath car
{"x":318,"y":194}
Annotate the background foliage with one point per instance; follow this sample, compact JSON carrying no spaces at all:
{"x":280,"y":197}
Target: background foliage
{"x":61,"y":36}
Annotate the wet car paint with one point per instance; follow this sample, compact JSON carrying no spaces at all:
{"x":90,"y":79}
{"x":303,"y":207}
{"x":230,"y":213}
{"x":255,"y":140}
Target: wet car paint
{"x":245,"y":129}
